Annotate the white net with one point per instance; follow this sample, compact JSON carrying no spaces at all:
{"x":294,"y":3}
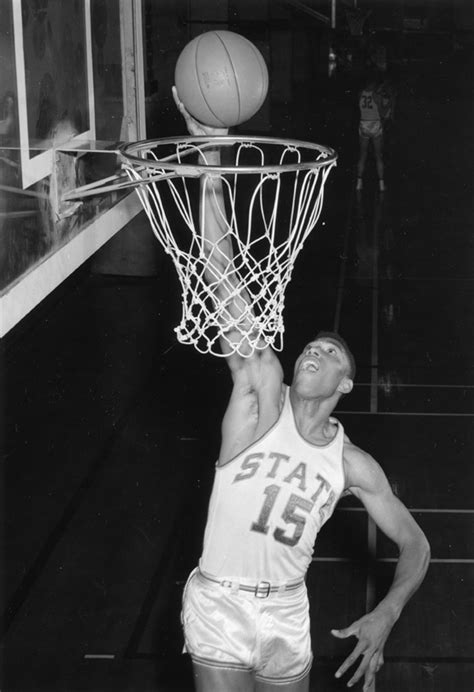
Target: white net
{"x":270,"y":198}
{"x":356,"y":19}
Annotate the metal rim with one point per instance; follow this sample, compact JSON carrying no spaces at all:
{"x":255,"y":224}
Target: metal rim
{"x":130,"y":151}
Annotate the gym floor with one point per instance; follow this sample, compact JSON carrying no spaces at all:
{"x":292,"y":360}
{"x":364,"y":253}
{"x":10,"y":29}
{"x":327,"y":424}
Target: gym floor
{"x":112,"y":427}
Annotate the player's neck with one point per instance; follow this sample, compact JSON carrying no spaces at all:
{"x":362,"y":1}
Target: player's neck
{"x":312,"y":417}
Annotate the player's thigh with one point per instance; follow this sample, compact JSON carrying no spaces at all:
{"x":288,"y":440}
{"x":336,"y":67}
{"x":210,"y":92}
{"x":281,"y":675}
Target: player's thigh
{"x":209,"y":679}
{"x":378,"y":145}
{"x":363,"y":145}
{"x":300,"y":686}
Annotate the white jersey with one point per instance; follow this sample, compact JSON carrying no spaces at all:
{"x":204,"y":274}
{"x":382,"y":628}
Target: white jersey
{"x":269,"y":502}
{"x":369,"y":109}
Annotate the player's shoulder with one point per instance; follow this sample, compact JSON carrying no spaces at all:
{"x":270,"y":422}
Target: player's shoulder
{"x":355,"y":455}
{"x":361,"y":469}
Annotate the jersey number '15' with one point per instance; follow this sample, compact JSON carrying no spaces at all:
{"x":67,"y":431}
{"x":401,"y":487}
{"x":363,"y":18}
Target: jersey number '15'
{"x":289,"y":516}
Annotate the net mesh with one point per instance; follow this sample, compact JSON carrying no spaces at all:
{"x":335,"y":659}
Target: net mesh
{"x":270,"y":198}
{"x":356,"y":19}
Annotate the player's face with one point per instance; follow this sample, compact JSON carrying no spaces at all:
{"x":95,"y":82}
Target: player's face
{"x":321,"y":368}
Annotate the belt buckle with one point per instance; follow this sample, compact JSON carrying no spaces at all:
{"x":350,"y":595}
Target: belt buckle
{"x":262,"y":590}
{"x":226,"y":583}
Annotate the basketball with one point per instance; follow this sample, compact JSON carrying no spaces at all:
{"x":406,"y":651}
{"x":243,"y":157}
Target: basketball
{"x":221,"y":78}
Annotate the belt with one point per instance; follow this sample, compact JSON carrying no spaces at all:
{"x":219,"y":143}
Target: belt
{"x":261,"y":590}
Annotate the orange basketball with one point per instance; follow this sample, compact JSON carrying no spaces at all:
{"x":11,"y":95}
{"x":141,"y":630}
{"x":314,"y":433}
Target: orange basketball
{"x":221,"y":78}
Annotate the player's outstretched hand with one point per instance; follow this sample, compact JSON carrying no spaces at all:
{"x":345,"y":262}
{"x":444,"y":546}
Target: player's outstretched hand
{"x":372,"y":631}
{"x":195,"y":128}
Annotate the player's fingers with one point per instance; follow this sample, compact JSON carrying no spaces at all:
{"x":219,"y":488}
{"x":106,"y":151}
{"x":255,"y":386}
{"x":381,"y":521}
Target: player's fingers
{"x":363,"y":669}
{"x":180,"y":105}
{"x":369,"y":686}
{"x":350,"y":660}
{"x":176,"y":98}
{"x":346,"y":632}
{"x":372,"y":669}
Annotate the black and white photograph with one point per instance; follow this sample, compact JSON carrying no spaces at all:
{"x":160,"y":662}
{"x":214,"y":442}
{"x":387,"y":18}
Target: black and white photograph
{"x":236,"y":345}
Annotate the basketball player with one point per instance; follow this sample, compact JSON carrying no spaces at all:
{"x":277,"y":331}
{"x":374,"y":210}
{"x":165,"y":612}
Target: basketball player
{"x":284,"y":462}
{"x":8,"y":122}
{"x":374,"y":109}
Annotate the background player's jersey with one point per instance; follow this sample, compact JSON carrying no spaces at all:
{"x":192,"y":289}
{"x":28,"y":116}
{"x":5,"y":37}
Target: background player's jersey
{"x":369,"y":109}
{"x":268,"y":504}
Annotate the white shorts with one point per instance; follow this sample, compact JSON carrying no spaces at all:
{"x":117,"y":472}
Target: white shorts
{"x":269,"y":637}
{"x":370,"y":129}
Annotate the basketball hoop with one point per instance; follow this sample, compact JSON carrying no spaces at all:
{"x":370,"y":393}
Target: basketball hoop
{"x":356,"y":19}
{"x":273,"y":193}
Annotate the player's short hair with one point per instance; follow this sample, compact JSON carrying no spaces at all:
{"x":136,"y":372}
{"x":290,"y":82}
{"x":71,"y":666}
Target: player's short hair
{"x":337,"y":338}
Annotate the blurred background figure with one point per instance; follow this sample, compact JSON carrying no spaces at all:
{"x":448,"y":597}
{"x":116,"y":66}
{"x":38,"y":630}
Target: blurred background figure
{"x":375,"y":108}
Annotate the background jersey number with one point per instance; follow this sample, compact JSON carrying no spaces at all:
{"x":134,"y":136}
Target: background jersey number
{"x":289,"y":516}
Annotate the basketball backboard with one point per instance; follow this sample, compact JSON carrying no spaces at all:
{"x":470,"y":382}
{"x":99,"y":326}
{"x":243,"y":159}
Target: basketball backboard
{"x":52,"y":76}
{"x":323,"y":11}
{"x":74,"y":74}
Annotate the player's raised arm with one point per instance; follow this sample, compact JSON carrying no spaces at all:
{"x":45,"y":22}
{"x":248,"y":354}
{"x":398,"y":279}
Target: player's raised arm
{"x":220,"y":273}
{"x":256,"y":372}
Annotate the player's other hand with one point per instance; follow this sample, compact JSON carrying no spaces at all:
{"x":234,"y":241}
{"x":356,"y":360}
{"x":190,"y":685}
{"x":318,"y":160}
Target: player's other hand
{"x":195,"y":128}
{"x":372,"y":631}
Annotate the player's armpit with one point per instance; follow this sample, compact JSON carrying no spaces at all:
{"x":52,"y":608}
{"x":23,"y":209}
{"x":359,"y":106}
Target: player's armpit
{"x":255,"y":402}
